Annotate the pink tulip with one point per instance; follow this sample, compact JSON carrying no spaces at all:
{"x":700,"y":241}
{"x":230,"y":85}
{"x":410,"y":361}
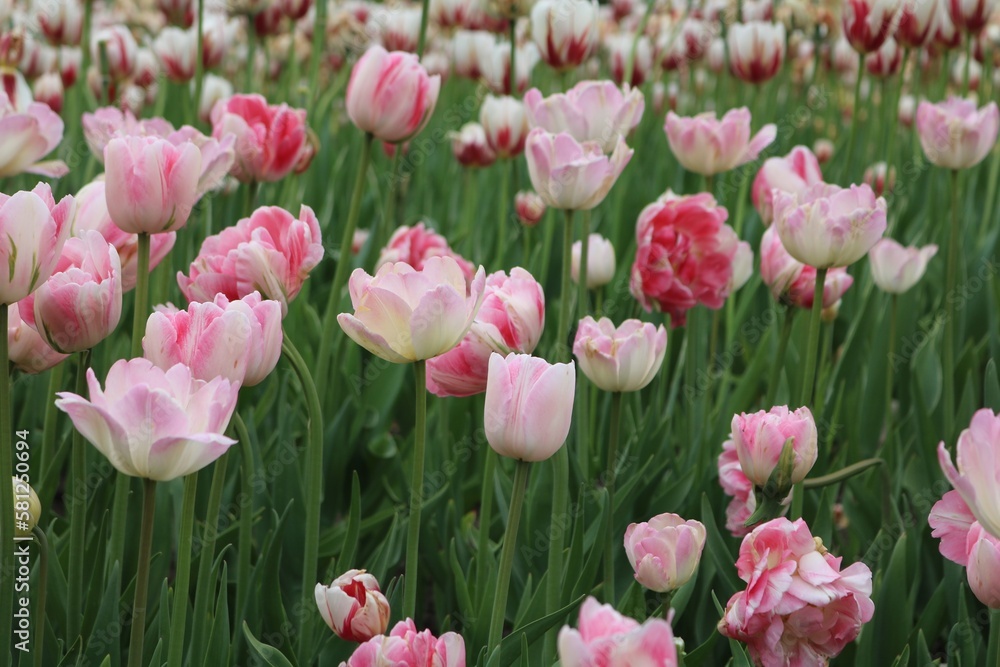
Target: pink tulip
{"x":119,"y":50}
{"x":983,"y":570}
{"x":965,"y":542}
{"x":625,"y":358}
{"x":177,"y":49}
{"x":799,"y":607}
{"x":455,"y":13}
{"x":178,"y":12}
{"x":793,"y":282}
{"x":495,"y":66}
{"x":529,"y":207}
{"x":742,"y":266}
{"x":404,"y":315}
{"x":405,"y":647}
{"x":828,"y":226}
{"x":590,"y":111}
{"x":792,"y":173}
{"x":971,"y":15}
{"x":600,"y":261}
{"x":708,"y":146}
{"x":665,"y":551}
{"x":353,"y":606}
{"x":415,"y":245}
{"x":92,"y":214}
{"x":529,"y":406}
{"x":978,"y":469}
{"x":61,"y":22}
{"x":896,"y":269}
{"x":390,"y":95}
{"x":868,"y":23}
{"x":29,"y":134}
{"x":565,"y":31}
{"x":33,"y":229}
{"x":759,"y":439}
{"x":916,"y":23}
{"x":954,"y":134}
{"x":511,"y":319}
{"x":81,"y":302}
{"x":470,"y":147}
{"x":886,"y":61}
{"x":469,"y":48}
{"x":271,"y":140}
{"x":605,"y":638}
{"x":48,"y":89}
{"x":505,"y":123}
{"x":685,"y":255}
{"x":151,"y":184}
{"x":570,"y":175}
{"x":26,"y":349}
{"x":756,"y":50}
{"x":270,"y":252}
{"x":619,"y":48}
{"x":152,"y":423}
{"x":106,"y":123}
{"x":736,"y":485}
{"x":879,"y":178}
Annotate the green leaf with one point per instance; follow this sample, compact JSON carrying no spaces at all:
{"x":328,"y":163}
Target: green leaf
{"x":928,"y":375}
{"x":353,"y":525}
{"x":510,"y":647}
{"x":704,"y":654}
{"x":717,"y":547}
{"x":107,"y":618}
{"x":991,"y":387}
{"x":270,"y":655}
{"x":218,"y":642}
{"x":891,"y":624}
{"x":903,"y":659}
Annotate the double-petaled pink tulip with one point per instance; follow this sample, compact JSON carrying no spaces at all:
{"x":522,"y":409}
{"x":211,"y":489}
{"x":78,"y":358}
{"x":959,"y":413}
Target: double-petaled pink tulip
{"x":605,"y":638}
{"x":403,"y":315}
{"x":81,"y":302}
{"x":799,"y":606}
{"x":895,"y":268}
{"x":26,"y":349}
{"x":238,"y":340}
{"x":623,"y":358}
{"x":353,"y":606}
{"x":590,"y":111}
{"x":793,"y":282}
{"x":706,"y":145}
{"x":826,"y":226}
{"x":151,"y":185}
{"x":684,"y":256}
{"x":955,"y":134}
{"x":271,"y":140}
{"x":964,"y":541}
{"x":405,"y":647}
{"x":506,"y":124}
{"x":28,"y":135}
{"x":152,"y":423}
{"x":391,"y":95}
{"x":270,"y":252}
{"x":978,"y":469}
{"x":565,"y":31}
{"x":33,"y":229}
{"x":600,"y":261}
{"x":760,"y":437}
{"x":417,"y":244}
{"x":756,"y":50}
{"x":511,"y":319}
{"x":529,"y":406}
{"x":792,"y":173}
{"x":868,"y":23}
{"x":569,"y":175}
{"x":664,"y":551}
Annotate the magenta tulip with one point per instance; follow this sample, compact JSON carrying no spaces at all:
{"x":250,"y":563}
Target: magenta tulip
{"x":271,"y":140}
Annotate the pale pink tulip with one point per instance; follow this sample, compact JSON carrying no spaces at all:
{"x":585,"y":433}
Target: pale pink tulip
{"x":623,"y":358}
{"x":152,"y":423}
{"x":793,"y":282}
{"x":29,"y":134}
{"x":896,"y":269}
{"x":760,"y":437}
{"x":415,"y":245}
{"x":529,"y":207}
{"x":565,"y":31}
{"x":978,"y":469}
{"x":270,"y":252}
{"x":33,"y":229}
{"x":605,"y":638}
{"x":529,"y":406}
{"x":390,"y":95}
{"x":792,"y":173}
{"x":742,"y":266}
{"x":511,"y":319}
{"x":828,"y":226}
{"x":405,"y":647}
{"x":756,"y":50}
{"x":983,"y":570}
{"x":600,"y":261}
{"x":151,"y":184}
{"x":951,"y":520}
{"x":505,"y":123}
{"x":470,"y":146}
{"x":570,"y":175}
{"x":705,"y":145}
{"x":736,"y":485}
{"x":590,"y":111}
{"x":271,"y":140}
{"x":106,"y":123}
{"x":868,"y":23}
{"x":26,"y":349}
{"x":404,"y":315}
{"x":81,"y":302}
{"x":353,"y":606}
{"x":956,"y":135}
{"x":665,"y":551}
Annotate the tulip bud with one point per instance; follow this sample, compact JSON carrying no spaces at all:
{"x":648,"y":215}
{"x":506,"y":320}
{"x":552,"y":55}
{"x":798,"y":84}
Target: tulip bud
{"x":27,"y":508}
{"x":600,"y":261}
{"x":470,"y":147}
{"x":760,"y":442}
{"x":353,"y":606}
{"x":529,"y":207}
{"x":823,"y":149}
{"x":896,"y":269}
{"x":48,"y":89}
{"x":506,"y":124}
{"x":665,"y":551}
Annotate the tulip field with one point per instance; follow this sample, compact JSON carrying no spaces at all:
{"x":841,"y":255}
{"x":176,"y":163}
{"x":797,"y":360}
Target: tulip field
{"x":500,"y":333}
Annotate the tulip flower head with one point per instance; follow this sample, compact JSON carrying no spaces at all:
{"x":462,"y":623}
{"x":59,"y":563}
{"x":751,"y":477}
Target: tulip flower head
{"x":569,"y":175}
{"x":353,"y":606}
{"x":625,"y":358}
{"x":665,"y":551}
{"x":955,"y":134}
{"x":896,"y":269}
{"x":706,"y":145}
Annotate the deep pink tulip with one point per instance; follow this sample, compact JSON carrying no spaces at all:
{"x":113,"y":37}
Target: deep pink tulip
{"x":506,"y":124}
{"x":151,"y":184}
{"x":33,"y":229}
{"x":29,"y":134}
{"x":799,"y":607}
{"x":565,"y":31}
{"x":405,"y":647}
{"x":470,"y":146}
{"x":404,"y":315}
{"x":152,"y":423}
{"x":978,"y":468}
{"x":793,"y":282}
{"x":353,"y":606}
{"x":270,"y":252}
{"x":684,"y":256}
{"x":529,"y":207}
{"x":26,"y":349}
{"x":390,"y":94}
{"x":868,"y":23}
{"x":792,"y":173}
{"x":665,"y":551}
{"x":81,"y":303}
{"x":529,"y":406}
{"x":705,"y":145}
{"x":601,"y":261}
{"x":510,"y":319}
{"x":605,"y":638}
{"x":623,"y":358}
{"x":896,"y":269}
{"x":760,"y":437}
{"x":590,"y":111}
{"x":756,"y":50}
{"x":271,"y":140}
{"x":956,"y":135}
{"x":415,"y":245}
{"x":569,"y":175}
